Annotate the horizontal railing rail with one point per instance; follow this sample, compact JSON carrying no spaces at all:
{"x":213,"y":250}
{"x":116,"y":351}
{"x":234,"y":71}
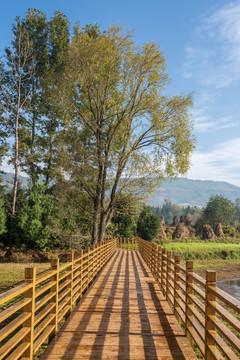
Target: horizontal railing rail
{"x":32,"y":312}
{"x":126,"y":243}
{"x":210,"y":315}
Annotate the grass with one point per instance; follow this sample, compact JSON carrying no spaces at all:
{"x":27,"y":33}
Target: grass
{"x":13,"y":273}
{"x":226,"y":269}
{"x":204,"y":251}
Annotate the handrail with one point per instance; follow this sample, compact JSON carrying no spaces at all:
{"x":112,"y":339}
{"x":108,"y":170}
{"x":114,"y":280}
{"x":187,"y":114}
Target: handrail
{"x":31,"y":313}
{"x":208,"y":313}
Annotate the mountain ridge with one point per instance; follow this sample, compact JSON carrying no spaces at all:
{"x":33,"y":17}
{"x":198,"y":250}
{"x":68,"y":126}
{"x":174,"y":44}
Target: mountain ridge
{"x":181,"y":191}
{"x":186,"y":192}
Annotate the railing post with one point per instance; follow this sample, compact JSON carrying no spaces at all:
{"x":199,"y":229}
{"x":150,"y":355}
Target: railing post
{"x":159,"y":269}
{"x":169,"y":271}
{"x":80,"y":254}
{"x":164,"y":272}
{"x":30,"y":278}
{"x":189,"y":291}
{"x":70,"y":257}
{"x":177,"y":260}
{"x":55,"y":289}
{"x":210,"y":311}
{"x":128,"y":243}
{"x":91,"y":263}
{"x":87,"y":251}
{"x":124,"y":243}
{"x":155,"y":261}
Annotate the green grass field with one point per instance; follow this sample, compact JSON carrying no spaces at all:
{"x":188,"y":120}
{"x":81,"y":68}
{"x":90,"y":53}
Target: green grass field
{"x":204,"y":251}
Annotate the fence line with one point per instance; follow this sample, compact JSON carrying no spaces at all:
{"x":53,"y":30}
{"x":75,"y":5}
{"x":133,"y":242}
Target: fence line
{"x":208,"y":313}
{"x":31,"y":312}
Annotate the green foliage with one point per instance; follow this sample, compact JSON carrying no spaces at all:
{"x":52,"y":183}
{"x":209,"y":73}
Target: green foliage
{"x":71,"y":108}
{"x":35,"y":217}
{"x":2,"y":217}
{"x":219,"y":210}
{"x":201,"y":221}
{"x":169,"y":210}
{"x":230,"y":231}
{"x":125,"y":218}
{"x":202,"y":250}
{"x":148,"y":225}
{"x":110,"y":85}
{"x":237,"y":208}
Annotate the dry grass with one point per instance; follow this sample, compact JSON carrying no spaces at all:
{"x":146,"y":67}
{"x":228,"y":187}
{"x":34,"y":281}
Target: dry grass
{"x":13,"y":273}
{"x":226,"y":269}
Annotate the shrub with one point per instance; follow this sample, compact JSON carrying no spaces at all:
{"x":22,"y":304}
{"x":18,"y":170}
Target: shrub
{"x":148,"y":225}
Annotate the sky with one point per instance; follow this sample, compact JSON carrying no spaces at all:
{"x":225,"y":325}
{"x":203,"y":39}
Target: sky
{"x":201,"y":39}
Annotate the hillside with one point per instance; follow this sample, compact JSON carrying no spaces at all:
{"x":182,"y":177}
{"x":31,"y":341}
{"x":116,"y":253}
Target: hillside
{"x":192,"y":192}
{"x":7,"y":179}
{"x":182,"y":191}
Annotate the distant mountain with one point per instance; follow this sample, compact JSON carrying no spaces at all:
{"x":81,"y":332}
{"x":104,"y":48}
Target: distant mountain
{"x":192,"y":192}
{"x":8,"y":178}
{"x":181,"y":192}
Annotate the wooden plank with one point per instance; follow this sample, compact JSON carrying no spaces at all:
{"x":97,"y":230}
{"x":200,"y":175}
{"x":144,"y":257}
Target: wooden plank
{"x":14,"y":292}
{"x":122,"y":316}
{"x":13,"y":309}
{"x":6,"y":348}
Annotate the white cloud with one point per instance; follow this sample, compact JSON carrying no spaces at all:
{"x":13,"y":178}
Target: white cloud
{"x":220,"y":164}
{"x":205,"y":121}
{"x":214,"y":56}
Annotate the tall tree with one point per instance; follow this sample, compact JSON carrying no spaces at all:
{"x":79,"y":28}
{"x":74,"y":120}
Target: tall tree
{"x":219,"y":209}
{"x":36,"y":29}
{"x":59,"y":35}
{"x":148,"y":224}
{"x":127,"y":132}
{"x":16,"y":85}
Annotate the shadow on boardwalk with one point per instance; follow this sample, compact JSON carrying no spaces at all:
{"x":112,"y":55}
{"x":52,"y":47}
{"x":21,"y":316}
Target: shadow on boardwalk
{"x":123,"y":316}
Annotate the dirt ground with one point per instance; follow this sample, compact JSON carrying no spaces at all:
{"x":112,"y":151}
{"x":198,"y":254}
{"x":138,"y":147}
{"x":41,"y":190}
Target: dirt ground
{"x":226,"y":269}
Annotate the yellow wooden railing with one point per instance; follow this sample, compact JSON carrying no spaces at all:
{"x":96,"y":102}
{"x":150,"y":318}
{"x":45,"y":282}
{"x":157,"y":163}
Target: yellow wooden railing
{"x":126,"y":243}
{"x":31,"y":312}
{"x":209,"y":314}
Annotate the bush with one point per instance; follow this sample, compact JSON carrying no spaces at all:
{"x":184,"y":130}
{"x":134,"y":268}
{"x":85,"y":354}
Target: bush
{"x":148,"y":225}
{"x":35,"y":216}
{"x":219,"y":209}
{"x":230,"y":231}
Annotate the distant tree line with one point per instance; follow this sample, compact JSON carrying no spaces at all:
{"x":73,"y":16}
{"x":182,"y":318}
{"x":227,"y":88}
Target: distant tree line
{"x":218,"y":209}
{"x":169,"y":210}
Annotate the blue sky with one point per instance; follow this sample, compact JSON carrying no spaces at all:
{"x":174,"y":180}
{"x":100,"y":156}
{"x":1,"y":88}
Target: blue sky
{"x":202,"y":43}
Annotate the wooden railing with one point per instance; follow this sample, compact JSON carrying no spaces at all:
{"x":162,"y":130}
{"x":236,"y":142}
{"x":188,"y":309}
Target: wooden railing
{"x":31,"y":312}
{"x":209,"y":314}
{"x":126,"y":243}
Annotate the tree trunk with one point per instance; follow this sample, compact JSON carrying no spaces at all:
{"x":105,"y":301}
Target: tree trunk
{"x":103,"y":227}
{"x":14,"y":200}
{"x":95,"y":221}
{"x":32,"y":168}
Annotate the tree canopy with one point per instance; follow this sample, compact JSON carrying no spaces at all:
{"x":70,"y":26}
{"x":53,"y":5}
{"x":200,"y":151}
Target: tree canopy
{"x":89,"y":113}
{"x":123,"y":131}
{"x":219,"y":209}
{"x":148,"y":225}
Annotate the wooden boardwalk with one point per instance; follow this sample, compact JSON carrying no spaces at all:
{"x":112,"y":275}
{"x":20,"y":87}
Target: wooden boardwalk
{"x":123,"y":316}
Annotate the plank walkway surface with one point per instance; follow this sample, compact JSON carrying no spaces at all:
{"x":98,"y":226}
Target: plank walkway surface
{"x":123,"y":316}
